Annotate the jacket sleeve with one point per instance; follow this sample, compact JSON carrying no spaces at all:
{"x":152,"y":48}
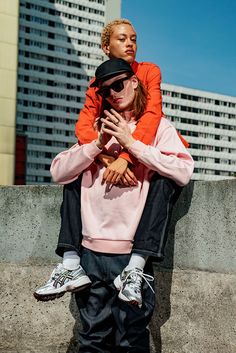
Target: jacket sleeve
{"x":84,"y":128}
{"x":69,"y":164}
{"x":168,"y":157}
{"x":150,"y":120}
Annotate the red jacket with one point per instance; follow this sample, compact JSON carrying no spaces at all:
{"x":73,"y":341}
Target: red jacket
{"x":150,"y":75}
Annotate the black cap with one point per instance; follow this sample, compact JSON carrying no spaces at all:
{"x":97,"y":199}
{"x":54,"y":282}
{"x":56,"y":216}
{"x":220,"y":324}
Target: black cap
{"x":110,"y":68}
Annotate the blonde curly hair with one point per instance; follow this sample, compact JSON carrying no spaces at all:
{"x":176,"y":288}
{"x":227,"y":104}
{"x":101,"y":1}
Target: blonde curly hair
{"x":108,"y":30}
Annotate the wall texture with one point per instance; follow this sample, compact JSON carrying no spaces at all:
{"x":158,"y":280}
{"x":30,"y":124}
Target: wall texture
{"x":196,"y":284}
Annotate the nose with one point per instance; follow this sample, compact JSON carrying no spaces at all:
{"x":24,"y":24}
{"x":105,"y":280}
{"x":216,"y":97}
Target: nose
{"x":112,"y":93}
{"x":129,"y":42}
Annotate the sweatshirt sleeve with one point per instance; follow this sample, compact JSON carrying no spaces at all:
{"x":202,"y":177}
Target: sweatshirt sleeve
{"x":168,"y":157}
{"x":150,"y":120}
{"x":69,"y":164}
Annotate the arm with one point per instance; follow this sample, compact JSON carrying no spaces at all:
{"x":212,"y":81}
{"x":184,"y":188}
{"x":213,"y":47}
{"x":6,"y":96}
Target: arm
{"x":69,"y":164}
{"x":168,"y":157}
{"x":84,"y":128}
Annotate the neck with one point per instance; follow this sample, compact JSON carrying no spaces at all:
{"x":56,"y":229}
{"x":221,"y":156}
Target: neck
{"x":128,"y":115}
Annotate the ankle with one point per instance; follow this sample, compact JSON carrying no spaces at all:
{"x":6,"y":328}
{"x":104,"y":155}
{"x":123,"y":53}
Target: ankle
{"x":71,"y":260}
{"x":136,"y":261}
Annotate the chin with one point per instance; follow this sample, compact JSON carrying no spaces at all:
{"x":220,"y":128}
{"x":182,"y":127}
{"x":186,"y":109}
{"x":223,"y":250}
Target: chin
{"x":121,"y":107}
{"x":129,"y":59}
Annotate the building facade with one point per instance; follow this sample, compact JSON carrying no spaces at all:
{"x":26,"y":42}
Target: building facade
{"x":208,"y":122}
{"x":59,"y":50}
{"x":49,"y":50}
{"x":8,"y":86}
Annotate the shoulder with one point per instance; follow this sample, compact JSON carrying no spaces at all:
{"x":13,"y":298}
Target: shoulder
{"x":91,"y":91}
{"x":147,"y":71}
{"x":146,"y":65}
{"x":165,"y":124}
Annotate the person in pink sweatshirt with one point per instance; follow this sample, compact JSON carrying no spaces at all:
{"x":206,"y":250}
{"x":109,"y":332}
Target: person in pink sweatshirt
{"x":111,"y":212}
{"x":118,"y":40}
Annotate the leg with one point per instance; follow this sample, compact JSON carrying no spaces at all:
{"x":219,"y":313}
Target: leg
{"x":95,"y":304}
{"x":150,"y":237}
{"x":110,"y":325}
{"x":132,"y":334}
{"x":70,"y":234}
{"x":152,"y":232}
{"x":69,"y":276}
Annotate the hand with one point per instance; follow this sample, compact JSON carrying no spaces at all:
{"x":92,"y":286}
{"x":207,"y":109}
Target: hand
{"x":128,"y":178}
{"x":103,"y":139}
{"x":115,"y":170}
{"x":116,"y":126}
{"x":105,"y":159}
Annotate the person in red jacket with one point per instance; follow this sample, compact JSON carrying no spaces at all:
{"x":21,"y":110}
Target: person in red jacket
{"x":118,"y":41}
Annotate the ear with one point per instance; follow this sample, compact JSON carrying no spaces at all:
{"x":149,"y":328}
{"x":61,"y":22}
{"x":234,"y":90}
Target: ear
{"x":106,"y":49}
{"x":134,"y":81}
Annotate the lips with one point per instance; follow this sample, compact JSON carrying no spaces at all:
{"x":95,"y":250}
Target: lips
{"x":116,"y":100}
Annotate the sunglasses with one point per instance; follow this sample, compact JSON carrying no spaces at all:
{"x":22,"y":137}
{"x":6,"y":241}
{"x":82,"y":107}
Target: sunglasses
{"x":116,"y":86}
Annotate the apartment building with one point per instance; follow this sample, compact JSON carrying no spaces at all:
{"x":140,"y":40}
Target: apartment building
{"x":57,"y":46}
{"x":208,"y":122}
{"x":59,"y":50}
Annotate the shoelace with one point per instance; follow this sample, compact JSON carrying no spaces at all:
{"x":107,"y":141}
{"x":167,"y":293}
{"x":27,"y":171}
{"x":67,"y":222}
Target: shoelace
{"x":53,"y":275}
{"x":58,"y":271}
{"x":55,"y":272}
{"x":138,"y":276}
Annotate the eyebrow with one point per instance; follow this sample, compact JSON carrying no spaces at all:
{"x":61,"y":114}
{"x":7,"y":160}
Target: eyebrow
{"x":126,"y":35}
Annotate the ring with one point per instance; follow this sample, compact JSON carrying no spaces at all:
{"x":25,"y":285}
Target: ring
{"x":117,"y":123}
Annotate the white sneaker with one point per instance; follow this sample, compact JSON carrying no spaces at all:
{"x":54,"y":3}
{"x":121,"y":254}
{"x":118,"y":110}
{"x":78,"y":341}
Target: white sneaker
{"x":129,"y":284}
{"x":61,"y":281}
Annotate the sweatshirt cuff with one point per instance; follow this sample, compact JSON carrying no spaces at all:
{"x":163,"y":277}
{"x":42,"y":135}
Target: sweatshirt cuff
{"x":91,"y":150}
{"x":137,"y":149}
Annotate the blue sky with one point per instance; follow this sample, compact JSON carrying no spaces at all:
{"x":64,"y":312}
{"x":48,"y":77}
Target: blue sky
{"x":192,"y":41}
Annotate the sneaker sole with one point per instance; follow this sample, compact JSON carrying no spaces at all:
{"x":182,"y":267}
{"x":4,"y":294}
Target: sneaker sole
{"x":71,"y":288}
{"x":47,"y":297}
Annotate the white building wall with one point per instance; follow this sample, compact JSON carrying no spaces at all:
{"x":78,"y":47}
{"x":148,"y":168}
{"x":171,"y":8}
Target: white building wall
{"x":208,"y":122}
{"x":113,"y":10}
{"x":59,"y":50}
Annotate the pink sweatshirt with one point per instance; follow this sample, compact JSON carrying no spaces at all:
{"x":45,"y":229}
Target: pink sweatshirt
{"x":111,"y":213}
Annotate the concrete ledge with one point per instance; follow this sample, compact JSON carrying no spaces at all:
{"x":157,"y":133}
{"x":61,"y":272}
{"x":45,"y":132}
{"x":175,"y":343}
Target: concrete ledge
{"x":196,"y":284}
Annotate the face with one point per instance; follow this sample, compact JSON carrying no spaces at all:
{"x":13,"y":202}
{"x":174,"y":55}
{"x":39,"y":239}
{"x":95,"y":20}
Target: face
{"x":119,"y":91}
{"x":122,"y":43}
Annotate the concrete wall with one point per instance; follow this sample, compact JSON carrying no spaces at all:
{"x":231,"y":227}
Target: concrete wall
{"x":196,"y":284}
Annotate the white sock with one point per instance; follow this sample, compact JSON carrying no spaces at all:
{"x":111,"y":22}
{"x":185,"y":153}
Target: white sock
{"x":137,"y":260}
{"x":71,"y":260}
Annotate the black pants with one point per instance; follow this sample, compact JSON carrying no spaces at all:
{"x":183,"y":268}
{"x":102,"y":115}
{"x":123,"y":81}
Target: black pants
{"x":109,"y":324}
{"x":152,"y":231}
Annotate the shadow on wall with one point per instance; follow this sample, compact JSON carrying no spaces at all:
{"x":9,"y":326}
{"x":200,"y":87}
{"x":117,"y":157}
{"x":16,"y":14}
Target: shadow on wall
{"x":163,"y":280}
{"x":164,"y":271}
